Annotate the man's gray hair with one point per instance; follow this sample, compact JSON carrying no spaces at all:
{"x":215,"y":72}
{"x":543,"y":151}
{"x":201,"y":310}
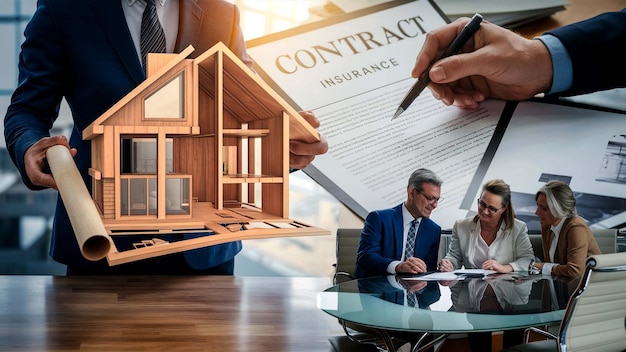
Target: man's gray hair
{"x":420,"y":176}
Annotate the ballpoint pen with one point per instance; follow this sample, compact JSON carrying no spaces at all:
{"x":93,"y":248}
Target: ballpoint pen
{"x":424,"y":79}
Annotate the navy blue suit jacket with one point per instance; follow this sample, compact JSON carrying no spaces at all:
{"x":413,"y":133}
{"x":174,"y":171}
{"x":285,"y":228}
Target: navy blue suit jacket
{"x":596,"y":47}
{"x":381,"y":242}
{"x":83,"y":51}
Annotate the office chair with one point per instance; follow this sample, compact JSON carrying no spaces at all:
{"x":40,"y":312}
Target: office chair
{"x":347,"y":244}
{"x":595,"y":317}
{"x":606,"y":239}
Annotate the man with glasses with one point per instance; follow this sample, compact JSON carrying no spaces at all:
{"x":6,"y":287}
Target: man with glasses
{"x":403,"y":239}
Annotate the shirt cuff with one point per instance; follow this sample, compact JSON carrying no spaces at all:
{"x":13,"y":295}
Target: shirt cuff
{"x":391,"y":268}
{"x":547,"y":268}
{"x":563,"y":73}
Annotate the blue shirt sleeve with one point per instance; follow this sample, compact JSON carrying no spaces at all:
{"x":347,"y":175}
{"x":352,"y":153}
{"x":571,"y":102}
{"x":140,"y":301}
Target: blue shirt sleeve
{"x":563,"y":74}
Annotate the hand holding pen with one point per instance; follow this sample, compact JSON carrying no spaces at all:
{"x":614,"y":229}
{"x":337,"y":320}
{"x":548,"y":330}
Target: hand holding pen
{"x":495,"y":63}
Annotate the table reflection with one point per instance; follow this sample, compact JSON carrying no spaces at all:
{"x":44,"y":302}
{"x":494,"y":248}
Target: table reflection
{"x":497,"y":302}
{"x":397,"y":290}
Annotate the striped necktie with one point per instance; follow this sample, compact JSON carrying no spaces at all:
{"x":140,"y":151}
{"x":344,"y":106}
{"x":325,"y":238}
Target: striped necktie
{"x":152,"y":36}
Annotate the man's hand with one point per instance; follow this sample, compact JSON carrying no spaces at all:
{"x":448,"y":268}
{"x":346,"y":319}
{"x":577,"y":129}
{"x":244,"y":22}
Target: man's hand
{"x":34,"y":160}
{"x":411,"y":266}
{"x":301,"y":153}
{"x":495,"y":63}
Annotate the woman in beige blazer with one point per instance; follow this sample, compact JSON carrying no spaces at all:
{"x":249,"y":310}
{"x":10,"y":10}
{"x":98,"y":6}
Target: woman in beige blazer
{"x":566,"y":239}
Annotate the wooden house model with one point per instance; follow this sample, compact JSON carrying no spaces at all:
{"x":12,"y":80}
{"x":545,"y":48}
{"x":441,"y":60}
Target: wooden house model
{"x":201,"y":146}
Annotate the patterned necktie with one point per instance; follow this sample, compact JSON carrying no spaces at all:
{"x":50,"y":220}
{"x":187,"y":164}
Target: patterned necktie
{"x":411,"y":300}
{"x":152,"y":36}
{"x":409,"y":250}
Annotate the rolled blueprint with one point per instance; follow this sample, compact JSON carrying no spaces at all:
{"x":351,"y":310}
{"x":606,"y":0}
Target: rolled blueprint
{"x":92,"y":237}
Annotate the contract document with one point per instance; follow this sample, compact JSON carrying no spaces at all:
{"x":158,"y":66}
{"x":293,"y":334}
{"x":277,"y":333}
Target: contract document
{"x":352,"y":72}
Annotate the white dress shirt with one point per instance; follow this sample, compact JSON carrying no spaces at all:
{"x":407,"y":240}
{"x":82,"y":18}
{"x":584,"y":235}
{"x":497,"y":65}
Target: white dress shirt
{"x":547,"y":267}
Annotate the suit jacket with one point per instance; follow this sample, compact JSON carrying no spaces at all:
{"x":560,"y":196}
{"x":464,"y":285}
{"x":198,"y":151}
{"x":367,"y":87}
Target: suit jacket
{"x":596,"y":47}
{"x":576,"y":243}
{"x":382,"y":242}
{"x":511,"y":246}
{"x":83,"y":51}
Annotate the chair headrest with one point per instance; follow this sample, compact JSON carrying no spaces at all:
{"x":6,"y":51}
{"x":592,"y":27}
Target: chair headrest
{"x":607,"y":260}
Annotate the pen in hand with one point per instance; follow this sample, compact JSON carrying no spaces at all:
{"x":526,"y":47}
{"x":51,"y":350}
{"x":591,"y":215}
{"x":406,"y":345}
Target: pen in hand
{"x":466,"y":33}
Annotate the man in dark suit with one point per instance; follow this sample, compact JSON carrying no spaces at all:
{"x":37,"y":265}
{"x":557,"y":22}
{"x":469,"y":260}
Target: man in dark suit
{"x":387,"y":233}
{"x":88,"y":53}
{"x":579,"y":58}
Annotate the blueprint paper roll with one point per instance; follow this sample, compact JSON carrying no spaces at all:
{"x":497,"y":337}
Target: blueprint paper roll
{"x":92,"y":237}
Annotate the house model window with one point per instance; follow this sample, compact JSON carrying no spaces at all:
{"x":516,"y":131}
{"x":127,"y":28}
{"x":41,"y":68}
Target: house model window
{"x":139,"y":155}
{"x":139,"y":178}
{"x":167,"y":102}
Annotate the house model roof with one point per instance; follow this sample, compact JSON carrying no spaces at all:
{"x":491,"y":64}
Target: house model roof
{"x":246,"y":94}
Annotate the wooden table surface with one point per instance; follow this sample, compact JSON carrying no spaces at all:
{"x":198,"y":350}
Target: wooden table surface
{"x":193,"y":313}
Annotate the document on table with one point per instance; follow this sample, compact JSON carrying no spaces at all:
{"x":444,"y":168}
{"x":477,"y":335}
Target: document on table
{"x":436,"y":276}
{"x":460,"y":274}
{"x":470,"y":272}
{"x":352,"y":72}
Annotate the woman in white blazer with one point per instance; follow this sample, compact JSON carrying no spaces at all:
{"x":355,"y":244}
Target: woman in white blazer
{"x":493,"y":239}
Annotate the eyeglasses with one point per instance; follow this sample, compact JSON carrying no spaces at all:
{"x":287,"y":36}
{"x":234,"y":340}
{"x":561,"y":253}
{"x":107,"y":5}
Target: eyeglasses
{"x":490,"y":208}
{"x":431,"y":200}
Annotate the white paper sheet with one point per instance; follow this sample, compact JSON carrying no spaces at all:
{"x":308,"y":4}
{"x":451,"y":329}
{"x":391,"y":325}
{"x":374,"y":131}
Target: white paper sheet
{"x":436,"y":276}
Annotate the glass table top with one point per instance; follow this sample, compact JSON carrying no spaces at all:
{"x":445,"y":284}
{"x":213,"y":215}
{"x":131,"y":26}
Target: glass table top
{"x":496,"y":302}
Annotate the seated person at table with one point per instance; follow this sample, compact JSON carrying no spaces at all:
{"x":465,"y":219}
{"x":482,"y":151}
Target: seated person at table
{"x":403,"y":239}
{"x":566,"y":239}
{"x":493,"y":240}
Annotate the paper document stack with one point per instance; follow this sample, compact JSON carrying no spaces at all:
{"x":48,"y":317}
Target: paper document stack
{"x":506,"y":13}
